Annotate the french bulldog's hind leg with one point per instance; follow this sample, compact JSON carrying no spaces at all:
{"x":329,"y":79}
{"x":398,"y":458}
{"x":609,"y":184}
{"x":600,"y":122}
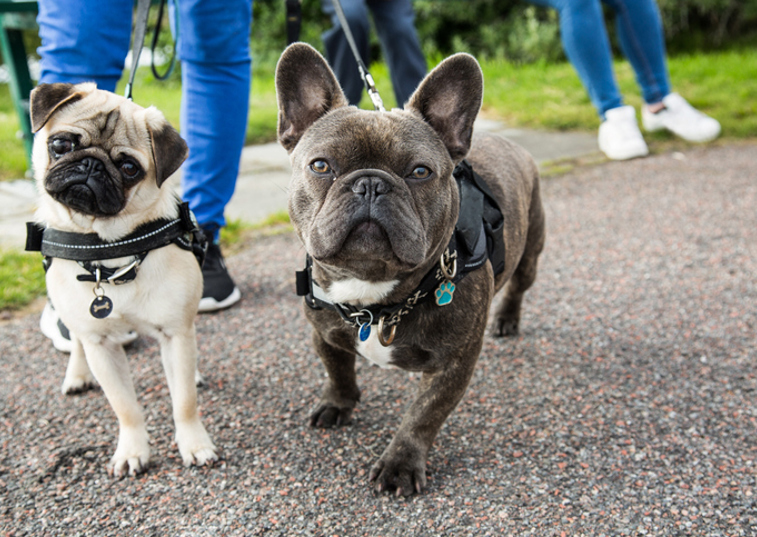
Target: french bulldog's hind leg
{"x":179,"y":354}
{"x":341,"y":394}
{"x":507,"y":318}
{"x":78,"y":376}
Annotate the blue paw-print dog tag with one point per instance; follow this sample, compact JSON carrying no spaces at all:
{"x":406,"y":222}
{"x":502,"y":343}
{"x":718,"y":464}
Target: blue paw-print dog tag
{"x":444,"y":293}
{"x":365,"y":331}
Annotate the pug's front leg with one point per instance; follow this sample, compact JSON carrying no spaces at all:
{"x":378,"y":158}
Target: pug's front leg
{"x":107,"y":361}
{"x":341,"y":394}
{"x":402,"y":466}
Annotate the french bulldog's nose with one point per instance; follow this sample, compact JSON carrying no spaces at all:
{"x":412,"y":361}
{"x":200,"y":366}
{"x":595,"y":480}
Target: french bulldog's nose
{"x":371,"y":187}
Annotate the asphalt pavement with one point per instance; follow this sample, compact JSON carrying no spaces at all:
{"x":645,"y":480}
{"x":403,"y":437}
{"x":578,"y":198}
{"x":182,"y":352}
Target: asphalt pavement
{"x":626,"y":406}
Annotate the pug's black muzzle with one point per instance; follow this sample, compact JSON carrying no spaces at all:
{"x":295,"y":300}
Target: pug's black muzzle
{"x":86,"y":186}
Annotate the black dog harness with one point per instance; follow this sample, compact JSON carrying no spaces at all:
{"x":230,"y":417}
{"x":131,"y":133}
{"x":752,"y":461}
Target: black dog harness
{"x":88,"y":249}
{"x":477,"y":237}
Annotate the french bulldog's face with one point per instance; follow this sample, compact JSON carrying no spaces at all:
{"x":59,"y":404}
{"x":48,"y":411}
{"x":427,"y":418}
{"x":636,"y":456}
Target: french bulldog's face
{"x":94,"y":150}
{"x":372,"y":194}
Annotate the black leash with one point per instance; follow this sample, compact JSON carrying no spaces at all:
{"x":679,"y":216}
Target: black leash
{"x":370,"y":85}
{"x":154,"y":43}
{"x":140,"y":29}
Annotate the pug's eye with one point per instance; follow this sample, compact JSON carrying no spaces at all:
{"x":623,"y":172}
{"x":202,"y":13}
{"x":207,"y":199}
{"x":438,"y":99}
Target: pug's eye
{"x":321,"y":167}
{"x":61,"y":146}
{"x":129,"y":169}
{"x":420,"y":173}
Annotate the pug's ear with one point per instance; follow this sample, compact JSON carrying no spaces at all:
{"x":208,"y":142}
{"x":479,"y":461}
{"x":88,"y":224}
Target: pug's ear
{"x":449,"y":99}
{"x":45,"y":99}
{"x":306,"y":89}
{"x":169,"y":150}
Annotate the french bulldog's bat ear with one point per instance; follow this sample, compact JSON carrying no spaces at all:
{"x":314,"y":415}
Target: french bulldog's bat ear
{"x":449,"y":99}
{"x":169,"y":150}
{"x":306,"y":89}
{"x":45,"y":99}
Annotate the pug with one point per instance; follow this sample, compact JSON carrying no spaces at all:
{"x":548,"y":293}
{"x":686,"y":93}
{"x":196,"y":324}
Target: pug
{"x":394,"y":235}
{"x":121,"y":254}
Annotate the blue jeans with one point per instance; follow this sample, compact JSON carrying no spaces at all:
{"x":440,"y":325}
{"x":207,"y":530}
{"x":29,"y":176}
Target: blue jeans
{"x":584,"y":38}
{"x":88,"y":40}
{"x":395,"y":25}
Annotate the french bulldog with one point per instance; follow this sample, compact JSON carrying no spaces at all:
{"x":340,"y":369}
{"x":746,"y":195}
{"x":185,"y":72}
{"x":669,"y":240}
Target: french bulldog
{"x":375,"y":204}
{"x":100,"y":161}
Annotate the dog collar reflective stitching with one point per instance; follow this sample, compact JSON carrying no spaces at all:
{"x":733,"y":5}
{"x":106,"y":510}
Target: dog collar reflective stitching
{"x":183,"y":231}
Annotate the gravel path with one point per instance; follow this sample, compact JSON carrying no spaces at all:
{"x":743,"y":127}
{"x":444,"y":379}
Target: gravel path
{"x":627,"y":406}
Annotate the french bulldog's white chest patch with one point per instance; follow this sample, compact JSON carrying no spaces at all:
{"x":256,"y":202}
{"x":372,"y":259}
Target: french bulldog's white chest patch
{"x":372,"y":350}
{"x":359,"y":292}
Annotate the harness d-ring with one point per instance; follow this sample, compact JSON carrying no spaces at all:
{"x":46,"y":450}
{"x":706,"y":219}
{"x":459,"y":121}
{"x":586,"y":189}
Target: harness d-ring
{"x":449,"y":274}
{"x":386,"y":341}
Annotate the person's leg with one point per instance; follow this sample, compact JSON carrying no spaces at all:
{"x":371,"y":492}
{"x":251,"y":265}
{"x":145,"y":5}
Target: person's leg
{"x":338,"y":51}
{"x":214,"y":50}
{"x":395,"y":25}
{"x":641,"y":38}
{"x":84,"y":40}
{"x":585,"y":40}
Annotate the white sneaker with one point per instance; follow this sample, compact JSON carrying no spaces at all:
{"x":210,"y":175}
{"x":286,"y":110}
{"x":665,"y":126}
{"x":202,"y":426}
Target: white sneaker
{"x":682,"y":119}
{"x":52,"y":327}
{"x":619,"y":135}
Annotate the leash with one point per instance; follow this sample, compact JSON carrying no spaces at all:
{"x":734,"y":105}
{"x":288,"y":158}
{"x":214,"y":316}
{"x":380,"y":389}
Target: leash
{"x":140,"y":29}
{"x":370,"y":85}
{"x":154,"y":43}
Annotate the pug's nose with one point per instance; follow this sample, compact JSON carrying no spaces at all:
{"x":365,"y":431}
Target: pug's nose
{"x":371,"y":187}
{"x":91,"y":167}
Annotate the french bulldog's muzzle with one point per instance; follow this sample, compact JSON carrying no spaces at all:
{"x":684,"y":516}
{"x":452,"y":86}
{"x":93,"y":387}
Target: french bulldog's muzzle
{"x":371,"y":217}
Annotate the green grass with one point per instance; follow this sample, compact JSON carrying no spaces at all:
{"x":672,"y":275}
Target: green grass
{"x":22,"y":279}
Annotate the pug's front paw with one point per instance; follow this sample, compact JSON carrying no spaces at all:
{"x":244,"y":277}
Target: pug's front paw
{"x":402,"y":476}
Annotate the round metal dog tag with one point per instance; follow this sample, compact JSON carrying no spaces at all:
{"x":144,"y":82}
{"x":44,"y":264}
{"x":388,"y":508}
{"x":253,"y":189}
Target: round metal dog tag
{"x":101,"y":307}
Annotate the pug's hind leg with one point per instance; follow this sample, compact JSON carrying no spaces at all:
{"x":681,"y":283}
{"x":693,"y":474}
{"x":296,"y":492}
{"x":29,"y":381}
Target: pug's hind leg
{"x":179,"y":355}
{"x":78,"y":376}
{"x":108,"y":362}
{"x":341,"y":393}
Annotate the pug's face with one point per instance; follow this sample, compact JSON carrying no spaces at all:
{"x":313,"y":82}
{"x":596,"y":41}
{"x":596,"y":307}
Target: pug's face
{"x":94,"y":149}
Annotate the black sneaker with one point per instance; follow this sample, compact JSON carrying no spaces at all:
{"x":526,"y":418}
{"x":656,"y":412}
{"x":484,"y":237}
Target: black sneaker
{"x":52,"y":327}
{"x":218,"y":289}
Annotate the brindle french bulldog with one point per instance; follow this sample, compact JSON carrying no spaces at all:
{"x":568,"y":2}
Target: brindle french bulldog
{"x":375,"y":203}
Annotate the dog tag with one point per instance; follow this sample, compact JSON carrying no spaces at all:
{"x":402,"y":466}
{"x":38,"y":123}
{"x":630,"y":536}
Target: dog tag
{"x":101,"y":307}
{"x":365,"y":331}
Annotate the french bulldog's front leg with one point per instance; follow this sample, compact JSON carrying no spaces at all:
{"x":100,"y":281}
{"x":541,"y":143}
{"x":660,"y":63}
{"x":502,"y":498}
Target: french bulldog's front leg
{"x":78,"y":376}
{"x":107,"y":361}
{"x":402,"y":466}
{"x":179,"y":354}
{"x":341,"y":394}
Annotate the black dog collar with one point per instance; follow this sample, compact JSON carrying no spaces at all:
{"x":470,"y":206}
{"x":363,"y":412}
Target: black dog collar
{"x":479,"y":234}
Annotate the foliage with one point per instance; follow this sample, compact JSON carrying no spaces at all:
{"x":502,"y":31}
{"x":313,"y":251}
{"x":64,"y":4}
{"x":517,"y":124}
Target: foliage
{"x":22,"y":278}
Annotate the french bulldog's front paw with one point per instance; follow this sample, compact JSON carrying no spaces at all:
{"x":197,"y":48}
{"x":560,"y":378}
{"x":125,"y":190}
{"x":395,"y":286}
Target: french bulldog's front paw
{"x":507,"y":327}
{"x":403,"y":477}
{"x":77,"y":384}
{"x":327,"y":415}
{"x":195,"y":446}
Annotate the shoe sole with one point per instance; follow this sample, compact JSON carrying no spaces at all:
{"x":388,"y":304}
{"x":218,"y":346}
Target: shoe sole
{"x":48,"y":327}
{"x":209,"y":304}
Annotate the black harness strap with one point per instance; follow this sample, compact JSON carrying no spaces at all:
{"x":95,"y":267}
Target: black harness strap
{"x":87,"y":247}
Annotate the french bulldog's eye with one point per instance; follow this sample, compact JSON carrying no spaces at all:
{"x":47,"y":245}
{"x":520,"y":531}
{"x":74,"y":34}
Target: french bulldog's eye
{"x":421,"y":172}
{"x":320,"y":167}
{"x":61,"y":146}
{"x":129,"y":169}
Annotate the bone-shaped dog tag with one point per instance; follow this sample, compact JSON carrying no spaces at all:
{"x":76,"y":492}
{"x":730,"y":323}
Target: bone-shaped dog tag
{"x":101,"y":307}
